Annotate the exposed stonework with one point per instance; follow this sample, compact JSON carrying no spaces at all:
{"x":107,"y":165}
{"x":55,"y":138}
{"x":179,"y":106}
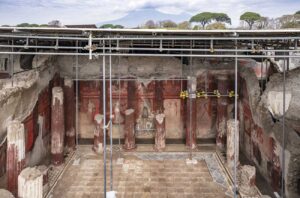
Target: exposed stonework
{"x":246,"y":181}
{"x":266,"y":137}
{"x":6,"y":194}
{"x":21,"y":94}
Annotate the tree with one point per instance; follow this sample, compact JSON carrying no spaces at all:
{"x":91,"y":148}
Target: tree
{"x":216,"y":26}
{"x":262,"y":23}
{"x":55,"y":23}
{"x":168,"y":24}
{"x":119,"y":26}
{"x":27,"y":25}
{"x":23,"y":25}
{"x":250,"y":18}
{"x":298,"y":12}
{"x":289,"y":21}
{"x":111,"y":26}
{"x":150,"y":24}
{"x":185,"y":25}
{"x":221,"y":17}
{"x":107,"y":26}
{"x":203,"y":18}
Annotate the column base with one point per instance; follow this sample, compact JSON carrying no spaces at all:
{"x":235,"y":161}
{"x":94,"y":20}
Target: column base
{"x":57,"y":159}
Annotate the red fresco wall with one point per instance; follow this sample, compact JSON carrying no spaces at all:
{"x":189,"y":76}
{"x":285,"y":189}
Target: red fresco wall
{"x":260,"y":147}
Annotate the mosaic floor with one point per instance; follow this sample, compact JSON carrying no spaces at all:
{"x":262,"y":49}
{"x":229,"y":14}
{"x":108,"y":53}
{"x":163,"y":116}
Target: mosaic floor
{"x":143,"y":174}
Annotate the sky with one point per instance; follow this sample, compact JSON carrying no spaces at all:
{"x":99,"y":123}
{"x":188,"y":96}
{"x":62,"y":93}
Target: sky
{"x":13,"y":12}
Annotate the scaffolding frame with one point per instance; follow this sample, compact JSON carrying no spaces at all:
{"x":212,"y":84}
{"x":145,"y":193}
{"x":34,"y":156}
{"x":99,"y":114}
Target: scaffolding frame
{"x":154,"y":43}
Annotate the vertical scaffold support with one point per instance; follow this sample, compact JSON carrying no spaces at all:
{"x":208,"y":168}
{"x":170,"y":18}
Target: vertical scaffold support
{"x":110,"y":120}
{"x":235,"y":116}
{"x":104,"y":119}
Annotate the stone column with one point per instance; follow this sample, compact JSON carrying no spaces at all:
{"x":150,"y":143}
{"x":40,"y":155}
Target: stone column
{"x":15,"y":154}
{"x":129,"y":135}
{"x":223,"y":86}
{"x":57,"y":126}
{"x":69,"y":113}
{"x":98,"y":134}
{"x":160,"y":135}
{"x":231,"y":140}
{"x":191,"y":117}
{"x":30,"y":183}
{"x":159,"y":97}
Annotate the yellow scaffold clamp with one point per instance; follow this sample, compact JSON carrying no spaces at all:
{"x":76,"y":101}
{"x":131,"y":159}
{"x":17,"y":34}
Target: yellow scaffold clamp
{"x":202,"y":94}
{"x":232,"y":94}
{"x":217,"y":93}
{"x":184,"y":94}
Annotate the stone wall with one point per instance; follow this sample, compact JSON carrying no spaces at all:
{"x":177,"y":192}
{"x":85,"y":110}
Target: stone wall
{"x":261,"y":136}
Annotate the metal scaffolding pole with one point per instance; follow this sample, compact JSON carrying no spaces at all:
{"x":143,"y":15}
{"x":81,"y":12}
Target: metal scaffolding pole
{"x":77,"y":97}
{"x":235,"y":120}
{"x":153,"y":55}
{"x":285,"y":65}
{"x":147,"y":49}
{"x":157,"y":38}
{"x":110,"y":128}
{"x":104,"y":121}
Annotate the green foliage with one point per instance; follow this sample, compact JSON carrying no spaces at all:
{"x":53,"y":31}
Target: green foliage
{"x":119,"y":26}
{"x":28,"y":25}
{"x":167,"y":24}
{"x":106,"y":26}
{"x":221,"y":17}
{"x":298,"y":12}
{"x":203,"y":18}
{"x":216,"y":26}
{"x":111,"y":26}
{"x":185,"y":25}
{"x":150,"y":24}
{"x":250,"y":18}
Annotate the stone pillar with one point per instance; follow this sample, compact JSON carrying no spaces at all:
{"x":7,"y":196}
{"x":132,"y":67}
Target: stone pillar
{"x":246,"y":181}
{"x":191,"y":117}
{"x":159,"y":97}
{"x":15,"y":154}
{"x":98,"y":134}
{"x":160,"y":135}
{"x":57,"y":126}
{"x":223,"y":86}
{"x":129,"y":135}
{"x":69,"y":113}
{"x":30,"y":183}
{"x":231,"y":140}
{"x":131,"y":95}
{"x":44,"y":171}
